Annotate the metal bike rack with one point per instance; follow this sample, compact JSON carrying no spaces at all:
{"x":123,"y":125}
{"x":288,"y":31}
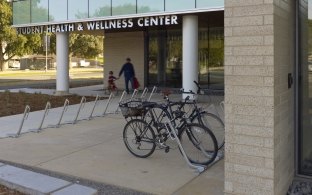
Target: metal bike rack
{"x":199,"y":168}
{"x":222,"y":106}
{"x":121,"y":98}
{"x":144,"y":92}
{"x":66,"y":103}
{"x":25,"y":116}
{"x":107,"y":104}
{"x":153,"y":91}
{"x":135,"y":92}
{"x":82,"y":103}
{"x":95,"y":103}
{"x":45,"y":113}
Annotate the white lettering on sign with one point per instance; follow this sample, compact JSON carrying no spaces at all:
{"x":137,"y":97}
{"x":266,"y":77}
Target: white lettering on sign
{"x":102,"y":25}
{"x":60,"y":28}
{"x":30,"y":30}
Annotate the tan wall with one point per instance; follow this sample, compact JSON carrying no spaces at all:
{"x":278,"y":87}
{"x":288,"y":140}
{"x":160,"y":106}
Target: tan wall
{"x":284,"y":63}
{"x":119,"y":46}
{"x":259,"y":152}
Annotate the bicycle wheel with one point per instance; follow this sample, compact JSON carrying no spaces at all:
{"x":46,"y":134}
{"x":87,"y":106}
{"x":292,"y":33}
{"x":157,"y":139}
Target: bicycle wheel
{"x":198,"y":143}
{"x":214,"y":123}
{"x":139,"y":138}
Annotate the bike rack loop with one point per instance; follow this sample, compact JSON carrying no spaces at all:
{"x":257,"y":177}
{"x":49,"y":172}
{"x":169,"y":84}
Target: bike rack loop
{"x":82,"y":103}
{"x":144,"y":92}
{"x":25,"y":116}
{"x":95,"y":103}
{"x":45,"y":113}
{"x":108,"y":101}
{"x":135,"y":92}
{"x":199,"y":168}
{"x":153,"y":91}
{"x":66,"y":103}
{"x":121,"y":98}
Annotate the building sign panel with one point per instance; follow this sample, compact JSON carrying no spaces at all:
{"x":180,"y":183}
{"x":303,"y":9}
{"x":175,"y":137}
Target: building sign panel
{"x":102,"y":25}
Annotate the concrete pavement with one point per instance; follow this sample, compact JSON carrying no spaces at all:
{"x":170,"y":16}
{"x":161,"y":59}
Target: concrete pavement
{"x":93,"y":151}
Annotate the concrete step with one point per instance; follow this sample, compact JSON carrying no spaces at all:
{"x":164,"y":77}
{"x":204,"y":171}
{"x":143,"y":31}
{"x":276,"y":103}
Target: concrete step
{"x":30,"y":182}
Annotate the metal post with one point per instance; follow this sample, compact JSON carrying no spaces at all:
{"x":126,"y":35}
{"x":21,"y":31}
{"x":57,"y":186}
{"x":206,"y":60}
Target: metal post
{"x":153,"y":91}
{"x":46,"y":111}
{"x":95,"y":103}
{"x":134,"y":94}
{"x":46,"y":53}
{"x":108,"y":101}
{"x":26,"y":112}
{"x":66,"y":103}
{"x":82,"y":103}
{"x":144,"y":92}
{"x":121,"y":98}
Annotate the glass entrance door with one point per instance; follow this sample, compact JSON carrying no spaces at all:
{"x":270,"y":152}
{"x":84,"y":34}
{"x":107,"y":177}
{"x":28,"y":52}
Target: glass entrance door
{"x":305,"y":87}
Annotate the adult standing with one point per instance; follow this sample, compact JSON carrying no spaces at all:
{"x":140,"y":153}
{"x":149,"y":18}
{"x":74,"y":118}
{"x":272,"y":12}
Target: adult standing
{"x":129,"y":74}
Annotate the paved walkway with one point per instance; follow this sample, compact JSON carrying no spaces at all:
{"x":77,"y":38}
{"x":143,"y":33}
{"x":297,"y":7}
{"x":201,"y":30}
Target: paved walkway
{"x":92,"y":155}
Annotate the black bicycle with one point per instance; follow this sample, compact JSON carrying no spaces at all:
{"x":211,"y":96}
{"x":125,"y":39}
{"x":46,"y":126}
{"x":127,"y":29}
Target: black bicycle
{"x":152,"y":124}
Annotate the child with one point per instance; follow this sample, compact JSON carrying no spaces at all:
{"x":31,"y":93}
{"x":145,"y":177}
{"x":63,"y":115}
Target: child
{"x":111,"y":81}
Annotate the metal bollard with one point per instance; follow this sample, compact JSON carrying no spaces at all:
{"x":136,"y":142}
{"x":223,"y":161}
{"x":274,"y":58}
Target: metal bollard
{"x":66,"y":103}
{"x":95,"y":103}
{"x":26,"y":113}
{"x":82,"y":103}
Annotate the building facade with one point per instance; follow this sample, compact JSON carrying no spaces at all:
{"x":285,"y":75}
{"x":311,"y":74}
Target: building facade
{"x":258,"y":51}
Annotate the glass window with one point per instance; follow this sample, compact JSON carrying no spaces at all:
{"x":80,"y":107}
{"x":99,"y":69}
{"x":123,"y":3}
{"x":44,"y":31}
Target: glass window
{"x":122,"y":7}
{"x":39,"y":11}
{"x":145,"y":6}
{"x":77,"y":9}
{"x":173,"y":5}
{"x":99,"y":8}
{"x":305,"y":88}
{"x":21,"y":10}
{"x":165,"y":58}
{"x":165,"y":55}
{"x":57,"y":10}
{"x":210,"y":3}
{"x":211,"y":53}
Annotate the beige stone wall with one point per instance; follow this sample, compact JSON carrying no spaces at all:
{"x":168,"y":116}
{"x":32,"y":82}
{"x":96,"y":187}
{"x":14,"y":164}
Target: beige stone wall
{"x":284,"y":63}
{"x":119,"y":46}
{"x":258,"y":104}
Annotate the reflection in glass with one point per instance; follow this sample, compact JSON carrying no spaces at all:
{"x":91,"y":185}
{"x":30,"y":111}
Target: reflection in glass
{"x":173,"y":5}
{"x":99,"y":8}
{"x":39,"y":11}
{"x":165,"y":58}
{"x":77,"y":9}
{"x":145,"y":6}
{"x":21,"y":11}
{"x":211,"y":53}
{"x":305,"y":88}
{"x":122,"y":7}
{"x":210,"y":3}
{"x":57,"y":10}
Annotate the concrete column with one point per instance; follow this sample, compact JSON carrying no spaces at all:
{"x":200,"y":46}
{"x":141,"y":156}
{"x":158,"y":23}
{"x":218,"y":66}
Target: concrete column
{"x":62,"y":61}
{"x":190,"y":53}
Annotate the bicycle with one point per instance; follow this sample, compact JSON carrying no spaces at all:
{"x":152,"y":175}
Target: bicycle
{"x":142,"y":134}
{"x":210,"y":120}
